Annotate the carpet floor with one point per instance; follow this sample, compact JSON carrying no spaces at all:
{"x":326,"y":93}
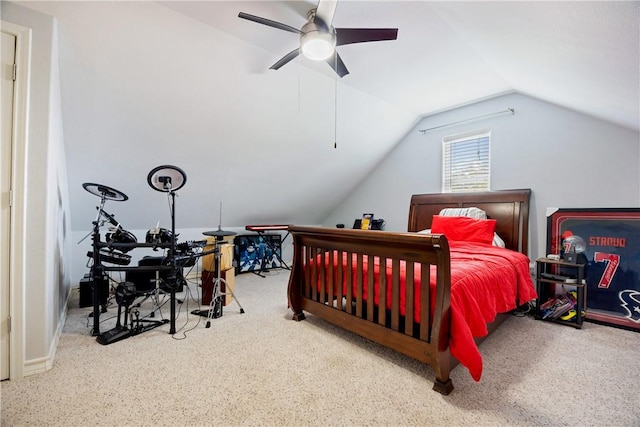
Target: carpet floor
{"x":261,"y":368}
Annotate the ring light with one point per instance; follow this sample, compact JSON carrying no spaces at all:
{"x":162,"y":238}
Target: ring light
{"x":166,"y":178}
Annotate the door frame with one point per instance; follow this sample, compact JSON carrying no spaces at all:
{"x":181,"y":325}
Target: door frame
{"x":18,"y":231}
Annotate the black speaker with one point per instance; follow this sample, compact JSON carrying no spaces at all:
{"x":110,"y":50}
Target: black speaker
{"x":86,"y":291}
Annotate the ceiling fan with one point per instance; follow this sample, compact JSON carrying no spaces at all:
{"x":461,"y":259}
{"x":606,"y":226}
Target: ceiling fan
{"x":318,"y":38}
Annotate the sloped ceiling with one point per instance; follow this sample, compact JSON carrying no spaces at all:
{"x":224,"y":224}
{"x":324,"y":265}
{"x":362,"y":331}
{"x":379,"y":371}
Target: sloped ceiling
{"x":582,"y":55}
{"x":187,"y":83}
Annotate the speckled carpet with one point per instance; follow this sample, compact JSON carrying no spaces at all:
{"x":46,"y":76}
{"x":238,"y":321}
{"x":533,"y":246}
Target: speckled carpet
{"x":261,"y":368}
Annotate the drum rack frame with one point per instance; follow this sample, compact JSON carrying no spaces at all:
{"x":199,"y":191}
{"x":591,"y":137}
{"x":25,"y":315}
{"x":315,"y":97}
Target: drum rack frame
{"x":98,"y":269}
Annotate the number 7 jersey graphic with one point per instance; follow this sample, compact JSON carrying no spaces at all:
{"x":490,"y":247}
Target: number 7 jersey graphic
{"x":612,"y":262}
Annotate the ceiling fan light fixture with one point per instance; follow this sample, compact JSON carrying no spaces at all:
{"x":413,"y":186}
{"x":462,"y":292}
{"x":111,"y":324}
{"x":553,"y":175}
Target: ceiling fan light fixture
{"x":317,"y":45}
{"x":318,"y":37}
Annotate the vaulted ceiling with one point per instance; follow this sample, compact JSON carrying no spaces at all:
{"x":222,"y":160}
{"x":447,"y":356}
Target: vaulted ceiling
{"x":188,"y":83}
{"x":582,"y":55}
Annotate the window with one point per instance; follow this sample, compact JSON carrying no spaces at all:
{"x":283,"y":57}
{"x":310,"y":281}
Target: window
{"x":465,"y":162}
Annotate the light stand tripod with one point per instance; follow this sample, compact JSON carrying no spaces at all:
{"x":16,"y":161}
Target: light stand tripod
{"x":169,"y":179}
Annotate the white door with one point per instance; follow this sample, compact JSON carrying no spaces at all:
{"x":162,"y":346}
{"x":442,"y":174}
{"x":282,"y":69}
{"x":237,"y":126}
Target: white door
{"x":8,"y":60}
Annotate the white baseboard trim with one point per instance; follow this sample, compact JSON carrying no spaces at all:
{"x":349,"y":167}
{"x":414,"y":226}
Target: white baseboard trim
{"x":44,"y":364}
{"x":36,"y":366}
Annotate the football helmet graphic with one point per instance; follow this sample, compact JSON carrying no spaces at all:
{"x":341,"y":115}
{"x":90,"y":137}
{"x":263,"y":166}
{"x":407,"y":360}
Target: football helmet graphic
{"x":630,"y":299}
{"x":572,"y":243}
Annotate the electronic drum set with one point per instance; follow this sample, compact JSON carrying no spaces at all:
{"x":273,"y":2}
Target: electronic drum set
{"x":152,"y":275}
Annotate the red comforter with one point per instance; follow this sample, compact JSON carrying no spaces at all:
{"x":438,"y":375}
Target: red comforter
{"x":485,"y":280}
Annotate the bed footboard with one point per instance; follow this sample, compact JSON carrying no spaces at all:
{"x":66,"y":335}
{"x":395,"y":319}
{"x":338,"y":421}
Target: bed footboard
{"x":333,"y":278}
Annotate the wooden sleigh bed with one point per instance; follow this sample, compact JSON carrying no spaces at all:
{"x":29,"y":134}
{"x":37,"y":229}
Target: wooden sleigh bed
{"x":331,"y":279}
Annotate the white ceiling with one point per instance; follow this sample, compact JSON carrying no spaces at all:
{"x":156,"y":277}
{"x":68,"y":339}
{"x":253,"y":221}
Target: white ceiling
{"x":188,"y":83}
{"x":582,"y":55}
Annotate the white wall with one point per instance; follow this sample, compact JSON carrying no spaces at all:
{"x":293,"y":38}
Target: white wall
{"x":145,"y":86}
{"x":58,"y":224}
{"x":568,"y":159}
{"x":46,"y":249}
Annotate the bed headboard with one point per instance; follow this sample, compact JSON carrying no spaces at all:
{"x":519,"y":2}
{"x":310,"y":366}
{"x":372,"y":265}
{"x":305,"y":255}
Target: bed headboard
{"x":510,"y":208}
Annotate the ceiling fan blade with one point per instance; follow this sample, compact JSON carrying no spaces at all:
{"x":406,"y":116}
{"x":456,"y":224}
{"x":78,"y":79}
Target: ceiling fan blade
{"x":285,"y":59}
{"x":338,"y":66}
{"x":268,"y":22}
{"x":362,"y":35}
{"x":325,"y":12}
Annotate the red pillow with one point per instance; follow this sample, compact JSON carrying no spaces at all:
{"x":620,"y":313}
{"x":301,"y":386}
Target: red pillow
{"x":464,"y":228}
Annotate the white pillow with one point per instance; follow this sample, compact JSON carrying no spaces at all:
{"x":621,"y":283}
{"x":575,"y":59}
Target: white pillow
{"x":497,"y":241}
{"x":471,"y":212}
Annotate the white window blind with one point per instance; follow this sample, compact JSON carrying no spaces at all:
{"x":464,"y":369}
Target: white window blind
{"x":466,"y":162}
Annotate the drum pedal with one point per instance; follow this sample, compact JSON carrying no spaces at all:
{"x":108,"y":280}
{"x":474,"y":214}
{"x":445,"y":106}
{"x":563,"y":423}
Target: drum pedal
{"x":113,"y":335}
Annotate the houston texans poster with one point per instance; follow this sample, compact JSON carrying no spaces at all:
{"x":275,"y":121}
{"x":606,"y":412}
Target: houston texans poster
{"x":610,"y":249}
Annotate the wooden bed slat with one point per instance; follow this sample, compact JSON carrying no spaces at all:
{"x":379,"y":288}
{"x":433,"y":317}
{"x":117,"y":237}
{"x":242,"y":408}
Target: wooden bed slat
{"x":408,"y":323}
{"x":425,"y":298}
{"x":370,"y":288}
{"x":359,"y":286}
{"x":395,"y":295}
